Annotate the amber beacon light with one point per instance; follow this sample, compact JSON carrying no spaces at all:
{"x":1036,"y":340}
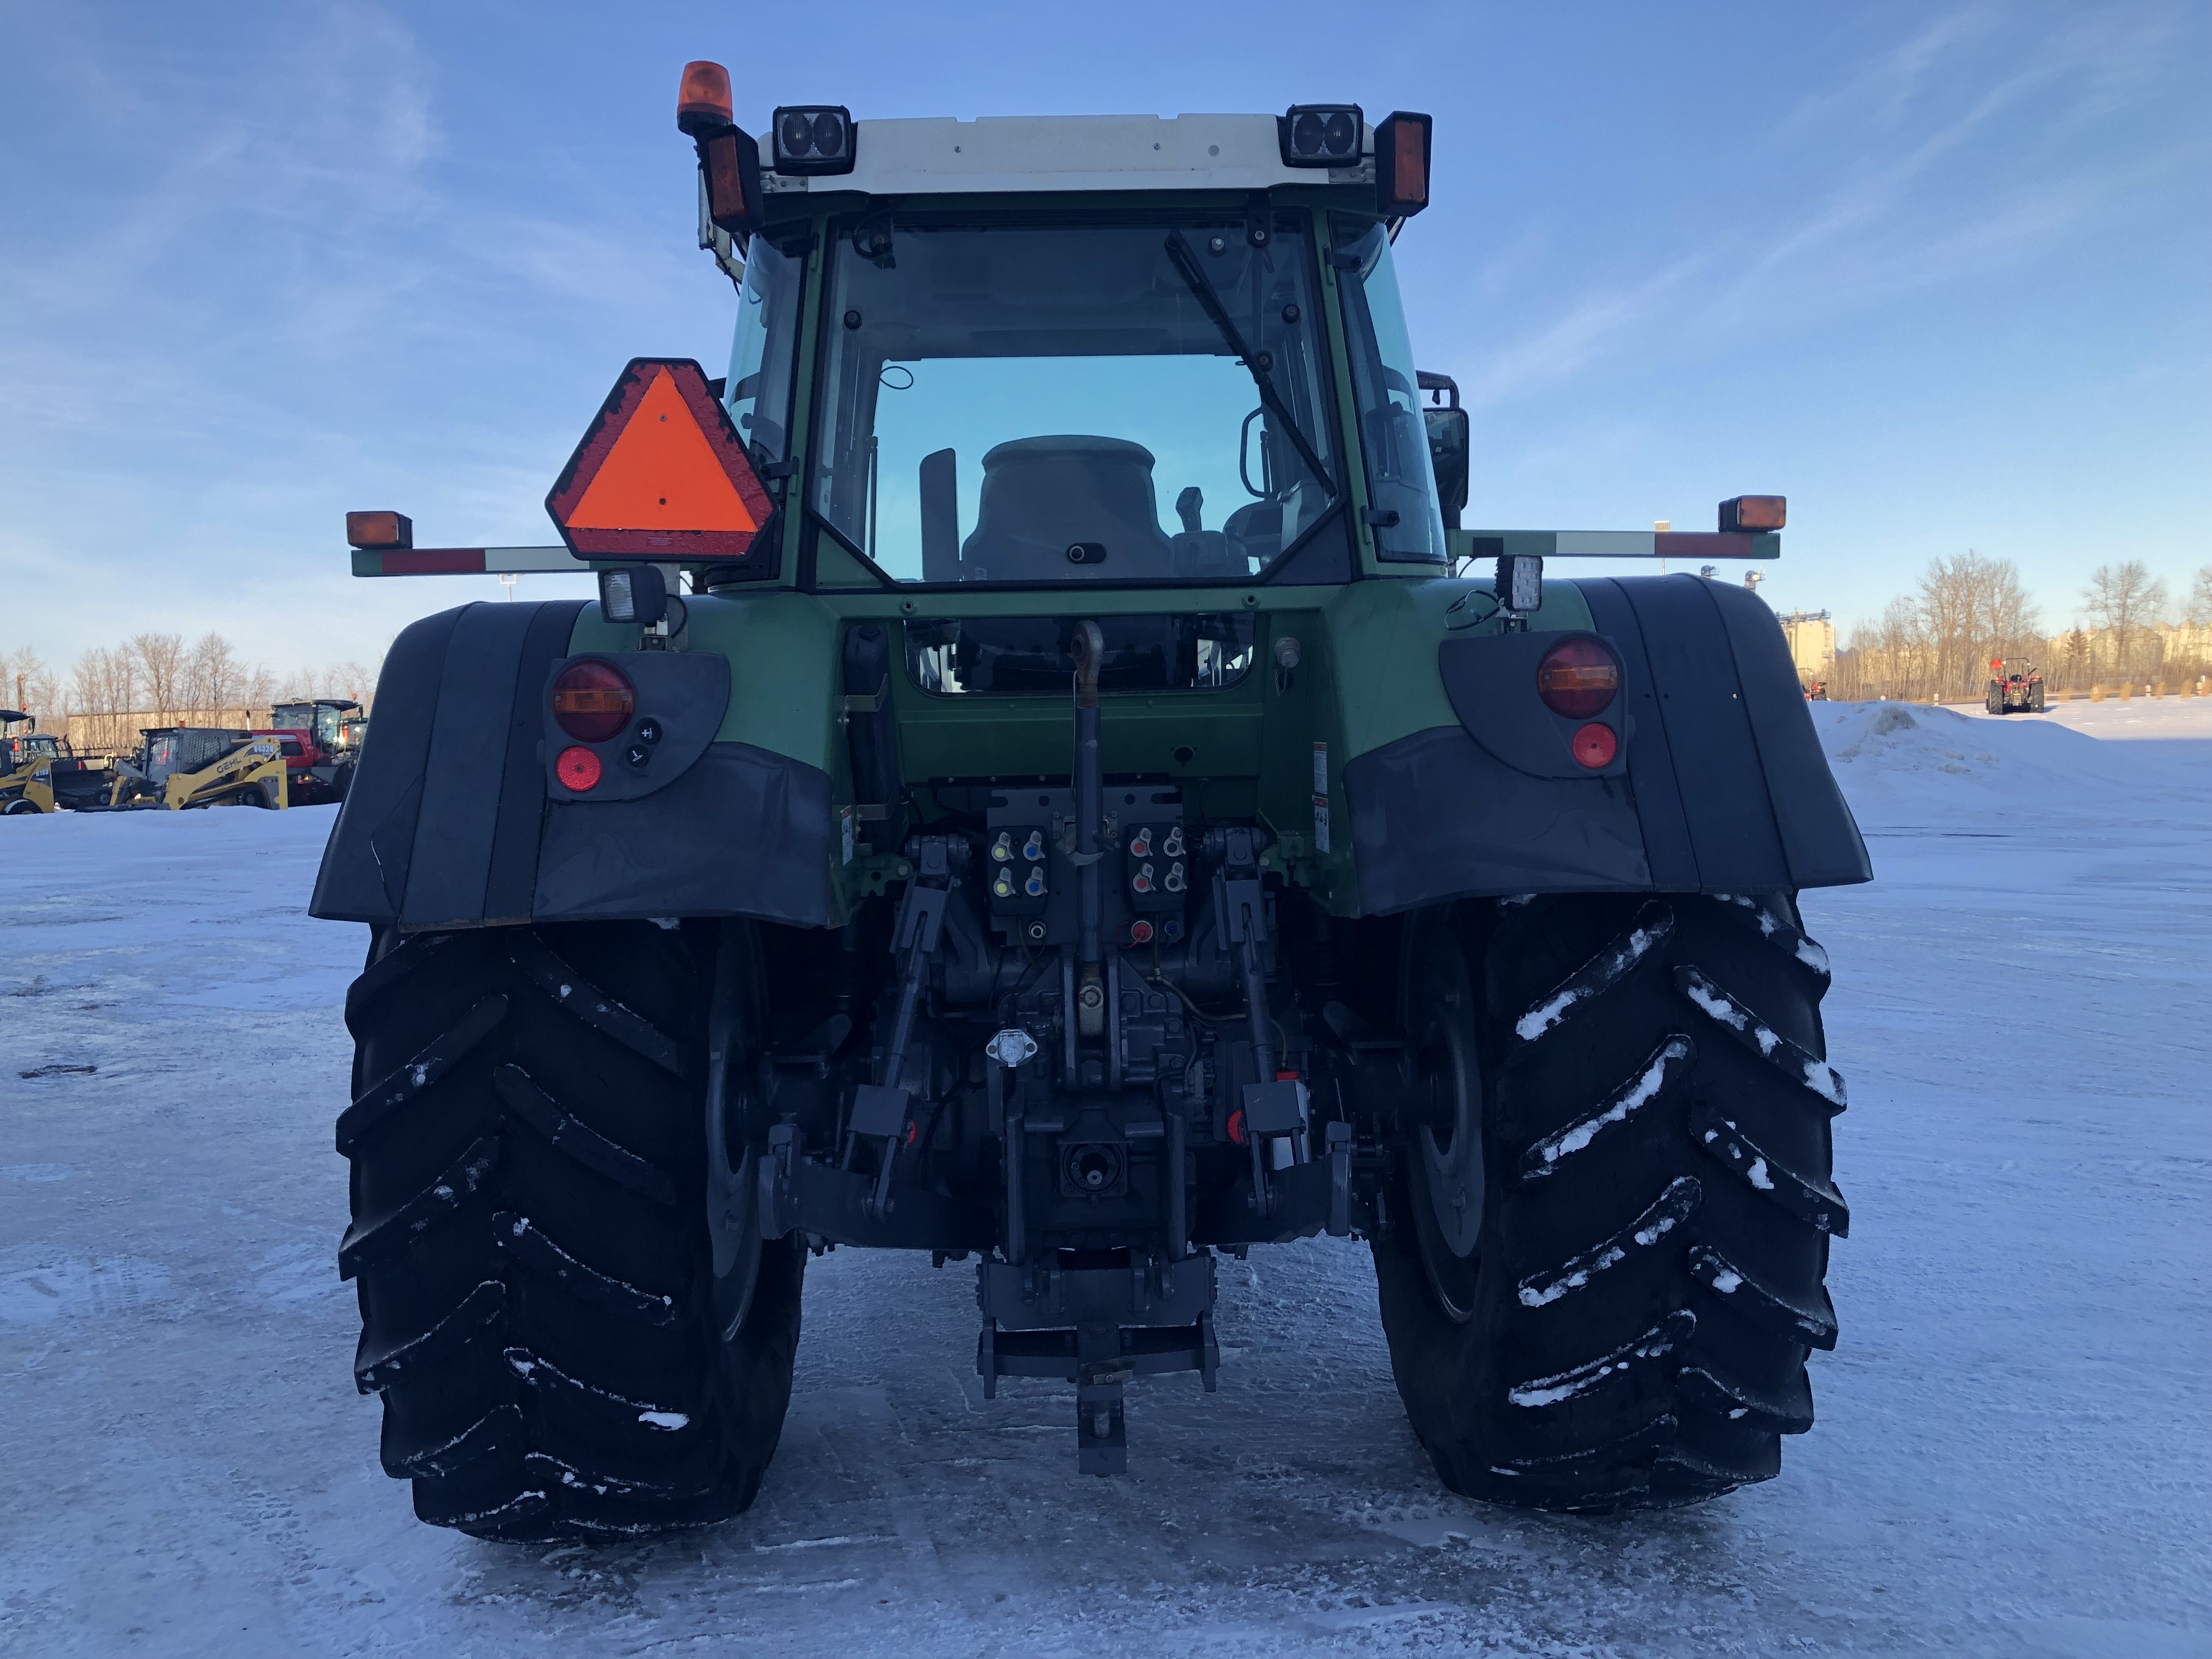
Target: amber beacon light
{"x":703,"y":101}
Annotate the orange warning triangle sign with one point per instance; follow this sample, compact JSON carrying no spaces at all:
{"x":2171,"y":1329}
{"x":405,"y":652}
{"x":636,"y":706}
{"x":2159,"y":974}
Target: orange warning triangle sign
{"x":661,"y":474}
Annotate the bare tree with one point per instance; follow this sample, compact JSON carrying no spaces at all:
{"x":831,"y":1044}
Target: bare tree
{"x":2126,"y":598}
{"x":215,"y":678}
{"x":2078,"y":672}
{"x":2199,"y":597}
{"x":1973,"y":610}
{"x":160,"y":661}
{"x":104,"y":681}
{"x":31,"y":687}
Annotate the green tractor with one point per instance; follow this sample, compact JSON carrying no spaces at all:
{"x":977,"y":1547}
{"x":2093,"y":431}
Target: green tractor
{"x":926,"y":843}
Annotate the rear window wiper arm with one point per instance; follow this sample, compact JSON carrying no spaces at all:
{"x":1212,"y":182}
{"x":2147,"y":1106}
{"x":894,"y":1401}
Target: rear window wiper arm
{"x":1195,"y":278}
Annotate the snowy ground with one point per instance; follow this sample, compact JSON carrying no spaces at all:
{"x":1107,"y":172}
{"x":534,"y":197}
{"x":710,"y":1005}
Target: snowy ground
{"x":2013,"y":1457}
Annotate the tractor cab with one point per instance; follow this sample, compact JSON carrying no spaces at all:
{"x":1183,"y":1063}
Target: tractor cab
{"x":166,"y":750}
{"x":322,"y":720}
{"x":318,"y":752}
{"x":27,"y":746}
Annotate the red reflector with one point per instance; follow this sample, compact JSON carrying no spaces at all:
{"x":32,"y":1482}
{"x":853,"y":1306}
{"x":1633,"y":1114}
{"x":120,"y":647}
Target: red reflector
{"x":592,"y":702}
{"x":1596,"y":746}
{"x":578,"y":768}
{"x":702,"y":98}
{"x":1577,"y":678}
{"x":1236,"y":1127}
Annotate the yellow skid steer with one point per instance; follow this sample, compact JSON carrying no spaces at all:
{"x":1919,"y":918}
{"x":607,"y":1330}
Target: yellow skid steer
{"x":179,"y":767}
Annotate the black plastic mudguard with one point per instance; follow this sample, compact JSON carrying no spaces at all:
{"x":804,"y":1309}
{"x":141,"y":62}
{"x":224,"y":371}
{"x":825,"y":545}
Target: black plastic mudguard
{"x":1725,"y":787}
{"x":450,"y":820}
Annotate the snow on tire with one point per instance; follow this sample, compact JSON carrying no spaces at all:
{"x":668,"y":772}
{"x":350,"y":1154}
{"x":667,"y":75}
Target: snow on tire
{"x":1632,"y":1326}
{"x":528,"y":1145}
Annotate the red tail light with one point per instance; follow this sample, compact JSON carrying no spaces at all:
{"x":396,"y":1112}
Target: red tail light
{"x":1577,"y":678}
{"x":592,"y":702}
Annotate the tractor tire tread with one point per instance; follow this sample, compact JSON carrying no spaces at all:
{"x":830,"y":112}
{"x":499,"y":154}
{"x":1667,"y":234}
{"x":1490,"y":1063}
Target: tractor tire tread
{"x":577,"y":1139}
{"x":544,"y":1342}
{"x":1588,"y":1370}
{"x":373,"y":1238}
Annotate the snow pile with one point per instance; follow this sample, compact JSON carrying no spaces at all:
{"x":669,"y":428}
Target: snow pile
{"x":1911,"y":763}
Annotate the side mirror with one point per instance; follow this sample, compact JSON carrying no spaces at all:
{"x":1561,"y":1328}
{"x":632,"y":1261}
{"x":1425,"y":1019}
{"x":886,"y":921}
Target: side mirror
{"x":1449,"y":443}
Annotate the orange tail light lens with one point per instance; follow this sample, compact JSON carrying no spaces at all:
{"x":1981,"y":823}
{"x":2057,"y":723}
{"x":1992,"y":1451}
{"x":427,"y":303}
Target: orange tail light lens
{"x":1577,"y":678}
{"x":592,"y":702}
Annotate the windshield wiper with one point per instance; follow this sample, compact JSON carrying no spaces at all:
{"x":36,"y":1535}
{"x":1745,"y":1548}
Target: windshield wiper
{"x":1195,"y":278}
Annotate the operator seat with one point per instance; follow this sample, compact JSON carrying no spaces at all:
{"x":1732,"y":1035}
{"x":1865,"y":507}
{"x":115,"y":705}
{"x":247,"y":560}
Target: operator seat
{"x":1042,"y":494}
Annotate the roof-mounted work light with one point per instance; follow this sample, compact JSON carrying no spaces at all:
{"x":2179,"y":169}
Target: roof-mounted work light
{"x":813,"y":138}
{"x":1402,"y":163}
{"x":638,"y":595}
{"x":1320,"y":136}
{"x":703,"y":101}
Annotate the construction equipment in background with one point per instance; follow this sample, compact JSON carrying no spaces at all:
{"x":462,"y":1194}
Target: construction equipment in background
{"x":41,"y":773}
{"x":321,"y":759}
{"x":182,"y":766}
{"x":2014,"y":691}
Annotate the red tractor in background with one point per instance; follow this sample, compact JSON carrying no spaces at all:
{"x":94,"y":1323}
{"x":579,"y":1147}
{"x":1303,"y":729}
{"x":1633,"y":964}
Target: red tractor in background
{"x":322,"y":742}
{"x":2014,"y":692}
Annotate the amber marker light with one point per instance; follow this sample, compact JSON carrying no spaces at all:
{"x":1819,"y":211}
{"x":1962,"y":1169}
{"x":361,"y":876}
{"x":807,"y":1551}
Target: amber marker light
{"x":703,"y":101}
{"x":379,"y":530}
{"x":1402,"y":163}
{"x":1754,"y":512}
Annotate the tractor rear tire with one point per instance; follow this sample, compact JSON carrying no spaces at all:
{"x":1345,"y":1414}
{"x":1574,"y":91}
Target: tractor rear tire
{"x":1631,"y":1327}
{"x":539,"y":1309}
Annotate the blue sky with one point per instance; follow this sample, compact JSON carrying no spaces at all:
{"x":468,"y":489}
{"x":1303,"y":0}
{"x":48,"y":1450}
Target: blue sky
{"x":1942,"y":275}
